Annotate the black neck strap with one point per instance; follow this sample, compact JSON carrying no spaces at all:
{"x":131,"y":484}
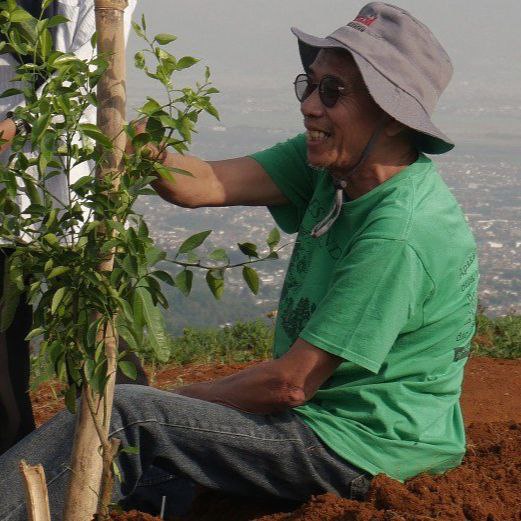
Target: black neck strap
{"x":340,"y":182}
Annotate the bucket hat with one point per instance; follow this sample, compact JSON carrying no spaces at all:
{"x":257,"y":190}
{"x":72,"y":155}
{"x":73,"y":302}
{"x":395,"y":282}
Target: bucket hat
{"x":403,"y":65}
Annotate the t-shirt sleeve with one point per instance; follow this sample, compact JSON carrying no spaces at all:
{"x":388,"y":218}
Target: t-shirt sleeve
{"x":287,"y":166}
{"x":378,"y":292}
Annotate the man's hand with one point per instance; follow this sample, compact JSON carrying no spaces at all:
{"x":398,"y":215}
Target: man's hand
{"x":139,"y":127}
{"x":273,"y":386}
{"x":7,"y":133}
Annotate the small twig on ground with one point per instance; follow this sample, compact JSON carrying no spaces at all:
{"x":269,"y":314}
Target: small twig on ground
{"x":35,"y":492}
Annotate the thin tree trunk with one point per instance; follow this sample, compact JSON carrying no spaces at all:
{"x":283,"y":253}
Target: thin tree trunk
{"x":35,"y":492}
{"x":91,"y":444}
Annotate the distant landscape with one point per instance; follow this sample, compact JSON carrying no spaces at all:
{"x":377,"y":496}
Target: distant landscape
{"x":258,"y":109}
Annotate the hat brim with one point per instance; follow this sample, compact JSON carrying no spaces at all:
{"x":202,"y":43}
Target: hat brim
{"x":392,"y":99}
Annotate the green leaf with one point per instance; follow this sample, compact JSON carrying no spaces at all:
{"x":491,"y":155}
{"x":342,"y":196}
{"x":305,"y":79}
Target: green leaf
{"x":9,"y":302}
{"x":51,"y":239}
{"x":64,"y":59}
{"x":252,"y":279}
{"x":59,"y":270}
{"x":150,"y":107}
{"x":95,"y":133}
{"x":164,"y":38}
{"x":193,"y":242}
{"x":99,"y":379}
{"x":92,"y":333}
{"x":212,"y":111}
{"x":139,"y":60}
{"x":70,"y":398}
{"x":125,"y":332}
{"x":273,"y":238}
{"x":128,"y":369}
{"x":141,"y":140}
{"x":154,"y":255}
{"x":55,"y":350}
{"x":10,"y":92}
{"x":48,"y":266}
{"x":31,"y":190}
{"x":138,"y":30}
{"x":57,"y":299}
{"x":34,"y":333}
{"x":180,"y":171}
{"x":45,"y":43}
{"x":19,"y":15}
{"x":51,"y":217}
{"x":130,"y":450}
{"x":185,"y":62}
{"x":39,"y":127}
{"x":248,"y":248}
{"x":155,"y":325}
{"x":129,"y":264}
{"x":215,"y":282}
{"x":57,"y":20}
{"x":89,"y":368}
{"x":81,"y":182}
{"x":164,"y":276}
{"x":164,"y":172}
{"x":183,"y":281}
{"x":219,"y":255}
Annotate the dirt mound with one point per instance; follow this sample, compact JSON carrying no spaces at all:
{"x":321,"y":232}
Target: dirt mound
{"x":486,"y":487}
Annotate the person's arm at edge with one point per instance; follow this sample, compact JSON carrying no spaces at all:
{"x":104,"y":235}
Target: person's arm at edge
{"x":273,"y":386}
{"x":7,"y":133}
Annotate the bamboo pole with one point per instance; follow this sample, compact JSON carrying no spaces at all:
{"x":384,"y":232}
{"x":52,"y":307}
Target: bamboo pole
{"x":35,"y":492}
{"x":91,"y":445}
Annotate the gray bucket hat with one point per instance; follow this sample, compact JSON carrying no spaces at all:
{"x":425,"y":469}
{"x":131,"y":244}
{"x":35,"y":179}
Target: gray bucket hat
{"x":403,"y":65}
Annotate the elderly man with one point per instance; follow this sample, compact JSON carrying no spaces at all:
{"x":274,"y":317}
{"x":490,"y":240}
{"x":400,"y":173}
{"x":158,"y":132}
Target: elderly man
{"x":377,"y":310}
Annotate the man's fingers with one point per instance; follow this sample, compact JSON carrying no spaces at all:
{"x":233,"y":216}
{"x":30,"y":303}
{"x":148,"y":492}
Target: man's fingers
{"x":139,"y":127}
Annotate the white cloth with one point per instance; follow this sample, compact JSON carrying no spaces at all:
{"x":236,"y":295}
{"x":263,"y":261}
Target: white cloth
{"x":73,"y":36}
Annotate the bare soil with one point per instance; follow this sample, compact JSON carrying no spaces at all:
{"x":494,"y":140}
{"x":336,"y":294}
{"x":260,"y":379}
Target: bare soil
{"x":486,"y":487}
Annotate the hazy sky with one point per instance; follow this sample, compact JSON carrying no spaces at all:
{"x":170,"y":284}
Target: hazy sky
{"x":250,"y":49}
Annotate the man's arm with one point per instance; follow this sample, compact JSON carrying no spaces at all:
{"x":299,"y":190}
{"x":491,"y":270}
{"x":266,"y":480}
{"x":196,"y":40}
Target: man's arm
{"x":273,"y":386}
{"x":231,"y":182}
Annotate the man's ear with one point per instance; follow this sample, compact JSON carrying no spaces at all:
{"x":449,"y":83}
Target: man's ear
{"x":393,"y":128}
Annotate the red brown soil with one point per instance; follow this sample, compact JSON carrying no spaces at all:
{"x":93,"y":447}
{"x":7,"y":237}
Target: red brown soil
{"x":486,"y":487}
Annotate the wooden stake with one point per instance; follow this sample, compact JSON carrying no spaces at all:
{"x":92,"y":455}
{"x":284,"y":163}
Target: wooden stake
{"x":91,"y":445}
{"x":36,"y":496}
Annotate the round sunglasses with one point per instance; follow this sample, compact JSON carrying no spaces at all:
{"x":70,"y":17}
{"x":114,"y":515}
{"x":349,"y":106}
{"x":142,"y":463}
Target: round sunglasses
{"x":329,"y":89}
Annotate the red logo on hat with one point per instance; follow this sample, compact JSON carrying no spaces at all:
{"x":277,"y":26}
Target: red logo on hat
{"x":365,"y":20}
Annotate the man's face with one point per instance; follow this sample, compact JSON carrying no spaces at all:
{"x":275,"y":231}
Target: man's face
{"x":337,"y":136}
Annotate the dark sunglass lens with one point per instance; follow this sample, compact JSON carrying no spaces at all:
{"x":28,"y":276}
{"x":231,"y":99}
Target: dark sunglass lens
{"x":330,"y":91}
{"x":303,"y":87}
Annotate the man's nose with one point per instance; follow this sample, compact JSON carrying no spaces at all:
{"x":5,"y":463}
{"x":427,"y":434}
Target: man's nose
{"x":312,"y":106}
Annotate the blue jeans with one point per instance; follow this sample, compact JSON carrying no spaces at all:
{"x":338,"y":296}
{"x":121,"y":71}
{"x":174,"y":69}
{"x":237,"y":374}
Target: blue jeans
{"x":184,"y":440}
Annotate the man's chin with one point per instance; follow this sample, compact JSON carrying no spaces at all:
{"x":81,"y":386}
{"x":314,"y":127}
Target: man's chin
{"x":315,"y":161}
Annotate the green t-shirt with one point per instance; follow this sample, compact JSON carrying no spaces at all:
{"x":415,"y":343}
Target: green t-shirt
{"x":392,"y":290}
